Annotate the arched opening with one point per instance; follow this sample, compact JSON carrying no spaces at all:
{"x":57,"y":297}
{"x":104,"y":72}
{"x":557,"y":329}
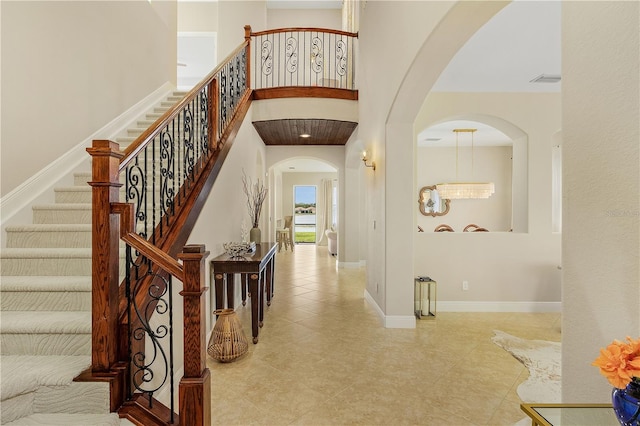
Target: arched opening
{"x":497,"y":153}
{"x":293,"y":181}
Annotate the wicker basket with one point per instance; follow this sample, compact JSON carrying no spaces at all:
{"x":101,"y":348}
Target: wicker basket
{"x":227,"y":341}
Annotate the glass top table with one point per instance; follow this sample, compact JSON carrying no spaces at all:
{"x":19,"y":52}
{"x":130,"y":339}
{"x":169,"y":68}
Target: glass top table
{"x":570,"y":414}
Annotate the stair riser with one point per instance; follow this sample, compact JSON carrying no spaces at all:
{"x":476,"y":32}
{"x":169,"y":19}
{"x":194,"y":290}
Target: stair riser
{"x":49,"y":266}
{"x":45,"y":301}
{"x":62,"y":216}
{"x":45,"y":344}
{"x":17,"y":407}
{"x":78,"y":397}
{"x":49,"y":239}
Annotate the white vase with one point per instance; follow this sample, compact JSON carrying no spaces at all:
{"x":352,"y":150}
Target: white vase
{"x":255,"y":235}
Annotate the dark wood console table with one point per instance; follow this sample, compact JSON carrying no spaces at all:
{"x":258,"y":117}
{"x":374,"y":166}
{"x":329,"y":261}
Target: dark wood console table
{"x":257,"y":270}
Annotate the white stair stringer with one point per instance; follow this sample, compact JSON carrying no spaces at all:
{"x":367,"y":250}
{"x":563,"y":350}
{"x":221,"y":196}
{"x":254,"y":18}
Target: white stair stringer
{"x":45,"y":309}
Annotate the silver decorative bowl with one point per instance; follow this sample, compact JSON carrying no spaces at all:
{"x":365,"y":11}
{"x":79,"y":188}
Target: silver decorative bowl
{"x":236,"y":249}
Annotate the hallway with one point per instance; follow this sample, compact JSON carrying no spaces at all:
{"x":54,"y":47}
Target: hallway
{"x":324,"y":358}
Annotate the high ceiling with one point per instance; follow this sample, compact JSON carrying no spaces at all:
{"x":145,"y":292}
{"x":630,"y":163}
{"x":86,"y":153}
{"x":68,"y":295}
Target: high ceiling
{"x":519,"y":44}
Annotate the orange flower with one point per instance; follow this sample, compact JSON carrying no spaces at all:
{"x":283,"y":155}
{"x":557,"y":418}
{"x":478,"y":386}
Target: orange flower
{"x":620,"y":362}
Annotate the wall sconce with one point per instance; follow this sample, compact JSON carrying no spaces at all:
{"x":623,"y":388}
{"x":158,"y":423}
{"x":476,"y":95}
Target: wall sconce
{"x":364,"y":160}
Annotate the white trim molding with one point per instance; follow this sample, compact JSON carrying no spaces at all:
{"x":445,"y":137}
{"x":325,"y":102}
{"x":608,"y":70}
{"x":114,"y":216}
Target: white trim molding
{"x":390,"y":321}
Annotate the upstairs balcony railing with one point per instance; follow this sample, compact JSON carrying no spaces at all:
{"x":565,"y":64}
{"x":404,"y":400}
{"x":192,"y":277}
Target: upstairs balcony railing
{"x":294,"y":58}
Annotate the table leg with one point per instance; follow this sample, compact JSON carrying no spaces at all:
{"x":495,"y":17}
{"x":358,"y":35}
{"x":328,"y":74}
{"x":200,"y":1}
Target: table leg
{"x":254,"y":280}
{"x":231,"y":281}
{"x":268,"y":282}
{"x":219,"y":284}
{"x":244,"y":283}
{"x":261,"y":290}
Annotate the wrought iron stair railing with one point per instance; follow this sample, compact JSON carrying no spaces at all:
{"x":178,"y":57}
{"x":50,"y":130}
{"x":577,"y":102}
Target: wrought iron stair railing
{"x":165,"y":171}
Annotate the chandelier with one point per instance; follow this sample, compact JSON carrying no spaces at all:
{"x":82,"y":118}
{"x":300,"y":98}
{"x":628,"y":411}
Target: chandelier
{"x":462,"y":190}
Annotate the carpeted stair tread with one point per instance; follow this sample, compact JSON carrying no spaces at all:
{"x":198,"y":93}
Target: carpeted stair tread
{"x":52,"y":419}
{"x":49,"y":227}
{"x":25,"y":373}
{"x":45,"y":283}
{"x":50,"y":322}
{"x":63,"y":206}
{"x":46,"y":252}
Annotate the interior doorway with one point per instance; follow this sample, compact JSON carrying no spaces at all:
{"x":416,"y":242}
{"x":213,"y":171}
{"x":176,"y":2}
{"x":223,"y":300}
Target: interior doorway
{"x":304,"y":214}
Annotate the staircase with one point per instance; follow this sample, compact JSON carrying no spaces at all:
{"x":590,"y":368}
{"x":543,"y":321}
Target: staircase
{"x":45,"y":304}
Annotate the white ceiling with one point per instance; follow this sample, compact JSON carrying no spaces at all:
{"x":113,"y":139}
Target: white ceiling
{"x":521,"y":42}
{"x":483,"y":136}
{"x":302,"y":165}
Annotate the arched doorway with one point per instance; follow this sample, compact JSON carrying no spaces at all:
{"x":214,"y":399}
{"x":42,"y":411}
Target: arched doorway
{"x":307,"y":190}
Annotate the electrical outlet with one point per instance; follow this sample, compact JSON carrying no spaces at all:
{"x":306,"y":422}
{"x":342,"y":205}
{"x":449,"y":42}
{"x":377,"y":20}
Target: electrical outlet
{"x":374,"y":224}
{"x":465,"y":285}
{"x":377,"y":288}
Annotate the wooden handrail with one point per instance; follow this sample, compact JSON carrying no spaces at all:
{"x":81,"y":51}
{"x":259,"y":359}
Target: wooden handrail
{"x":147,"y":136}
{"x":303,"y":29}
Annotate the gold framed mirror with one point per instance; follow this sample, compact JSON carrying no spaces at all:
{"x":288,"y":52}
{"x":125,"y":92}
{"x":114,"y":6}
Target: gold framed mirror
{"x":430,"y":203}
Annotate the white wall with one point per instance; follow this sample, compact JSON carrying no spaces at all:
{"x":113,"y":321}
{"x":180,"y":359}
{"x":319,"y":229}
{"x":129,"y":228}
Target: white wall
{"x":68,"y":68}
{"x":233,"y":16}
{"x":506,"y":271}
{"x":601,"y":157}
{"x":198,"y":16}
{"x":391,"y":93}
{"x":306,"y":18}
{"x":225,"y":210}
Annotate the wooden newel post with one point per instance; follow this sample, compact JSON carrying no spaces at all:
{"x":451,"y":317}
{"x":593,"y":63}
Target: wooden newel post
{"x":195,"y":386}
{"x":105,"y":236}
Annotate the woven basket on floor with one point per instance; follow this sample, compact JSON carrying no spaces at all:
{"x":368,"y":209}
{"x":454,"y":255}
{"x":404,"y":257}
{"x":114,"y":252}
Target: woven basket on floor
{"x":227,"y":341}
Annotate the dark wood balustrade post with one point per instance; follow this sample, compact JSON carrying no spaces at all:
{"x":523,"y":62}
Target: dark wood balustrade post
{"x":105,"y":236}
{"x":247,"y":38}
{"x":195,"y":386}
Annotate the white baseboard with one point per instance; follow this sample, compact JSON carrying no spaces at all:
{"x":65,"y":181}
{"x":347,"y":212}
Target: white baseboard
{"x":409,"y":321}
{"x":472,"y":306}
{"x":20,"y":200}
{"x":390,"y":321}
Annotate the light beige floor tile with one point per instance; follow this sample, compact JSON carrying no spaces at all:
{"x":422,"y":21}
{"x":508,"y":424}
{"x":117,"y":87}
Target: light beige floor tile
{"x":324,"y":358}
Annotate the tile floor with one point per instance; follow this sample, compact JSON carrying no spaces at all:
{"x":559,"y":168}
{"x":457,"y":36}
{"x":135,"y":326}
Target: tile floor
{"x":324,"y":359}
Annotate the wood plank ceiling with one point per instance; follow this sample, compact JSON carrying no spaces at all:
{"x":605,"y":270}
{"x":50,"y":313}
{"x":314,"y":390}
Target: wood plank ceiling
{"x":320,"y":131}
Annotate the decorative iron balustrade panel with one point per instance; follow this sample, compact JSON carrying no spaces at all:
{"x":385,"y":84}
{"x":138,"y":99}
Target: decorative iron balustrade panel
{"x":303,"y":58}
{"x":158,"y":178}
{"x":150,"y":332}
{"x":232,"y":85}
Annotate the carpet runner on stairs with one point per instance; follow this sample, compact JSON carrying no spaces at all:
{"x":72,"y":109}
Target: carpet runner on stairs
{"x":45,"y":309}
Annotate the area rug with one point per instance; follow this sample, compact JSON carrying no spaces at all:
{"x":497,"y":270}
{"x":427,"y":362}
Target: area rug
{"x":542,"y":359}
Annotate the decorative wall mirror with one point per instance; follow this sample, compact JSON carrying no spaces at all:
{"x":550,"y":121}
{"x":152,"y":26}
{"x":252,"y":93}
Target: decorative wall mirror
{"x":430,"y":203}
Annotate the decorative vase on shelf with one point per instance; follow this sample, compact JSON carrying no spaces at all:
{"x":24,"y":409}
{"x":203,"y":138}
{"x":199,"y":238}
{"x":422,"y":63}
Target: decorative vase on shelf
{"x":626,"y":404}
{"x":255,"y":235}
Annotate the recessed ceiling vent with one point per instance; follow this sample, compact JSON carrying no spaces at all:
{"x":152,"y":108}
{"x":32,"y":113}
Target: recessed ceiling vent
{"x":546,"y":78}
{"x":432,"y":139}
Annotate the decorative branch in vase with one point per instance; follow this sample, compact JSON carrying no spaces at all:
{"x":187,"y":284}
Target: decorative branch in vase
{"x":256,"y":194}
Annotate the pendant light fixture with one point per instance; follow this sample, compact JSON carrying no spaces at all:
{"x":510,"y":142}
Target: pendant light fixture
{"x":465,"y":190}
